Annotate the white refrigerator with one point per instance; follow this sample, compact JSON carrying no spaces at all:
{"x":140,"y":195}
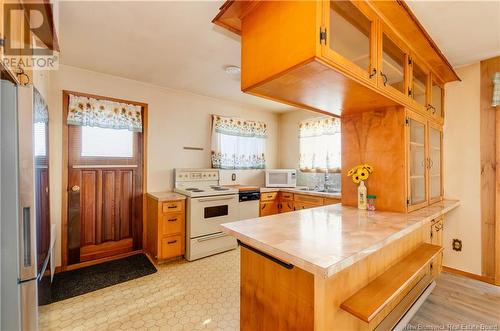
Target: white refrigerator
{"x":19,"y":272}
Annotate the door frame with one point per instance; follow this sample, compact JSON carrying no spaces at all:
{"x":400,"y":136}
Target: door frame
{"x":65,"y":160}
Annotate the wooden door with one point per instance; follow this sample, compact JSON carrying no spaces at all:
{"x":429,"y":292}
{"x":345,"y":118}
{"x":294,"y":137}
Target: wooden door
{"x":437,"y":99}
{"x":350,"y":29}
{"x":419,"y":89}
{"x":104,"y":192}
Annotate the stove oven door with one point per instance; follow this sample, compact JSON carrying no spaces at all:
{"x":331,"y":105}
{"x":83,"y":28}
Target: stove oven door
{"x":207,"y":213}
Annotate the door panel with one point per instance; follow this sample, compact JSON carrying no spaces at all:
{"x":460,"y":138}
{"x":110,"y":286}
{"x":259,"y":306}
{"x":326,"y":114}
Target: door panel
{"x":108,"y":205}
{"x":88,"y":199}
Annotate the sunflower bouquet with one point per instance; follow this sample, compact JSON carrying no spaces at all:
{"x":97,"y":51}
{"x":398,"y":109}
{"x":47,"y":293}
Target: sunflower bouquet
{"x":360,"y":173}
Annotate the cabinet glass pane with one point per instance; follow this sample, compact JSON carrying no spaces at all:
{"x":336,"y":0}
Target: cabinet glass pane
{"x":393,"y":59}
{"x":417,"y":162}
{"x":350,"y":33}
{"x":437,"y":98}
{"x":419,"y":89}
{"x":434,"y":163}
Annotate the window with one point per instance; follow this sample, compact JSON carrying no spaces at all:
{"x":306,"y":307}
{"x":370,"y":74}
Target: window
{"x":238,"y":144}
{"x":40,"y":142}
{"x":320,"y":145}
{"x":99,"y":142}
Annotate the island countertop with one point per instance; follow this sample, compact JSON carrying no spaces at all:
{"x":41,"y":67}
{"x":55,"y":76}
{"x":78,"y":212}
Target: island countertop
{"x":325,"y":240}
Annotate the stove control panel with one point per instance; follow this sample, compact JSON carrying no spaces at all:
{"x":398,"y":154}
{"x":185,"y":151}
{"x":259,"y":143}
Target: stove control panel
{"x":194,"y":175}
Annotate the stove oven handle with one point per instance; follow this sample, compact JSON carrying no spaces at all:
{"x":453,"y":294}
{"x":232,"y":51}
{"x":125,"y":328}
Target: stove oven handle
{"x":217,"y":199}
{"x":215,"y":236}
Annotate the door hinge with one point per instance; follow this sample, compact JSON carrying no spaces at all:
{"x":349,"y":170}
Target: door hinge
{"x":407,"y":202}
{"x":2,"y":42}
{"x":410,"y":61}
{"x":409,"y":92}
{"x":407,"y":121}
{"x":322,"y":35}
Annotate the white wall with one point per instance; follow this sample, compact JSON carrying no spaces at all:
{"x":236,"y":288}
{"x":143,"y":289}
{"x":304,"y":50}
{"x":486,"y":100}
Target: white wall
{"x":462,"y":170}
{"x":288,"y":137}
{"x":176,"y":119}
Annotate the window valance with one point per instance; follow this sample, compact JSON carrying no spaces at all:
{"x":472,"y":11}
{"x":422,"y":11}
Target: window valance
{"x":87,"y":111}
{"x":496,"y":90}
{"x":319,"y":127}
{"x":239,"y":127}
{"x":40,"y":107}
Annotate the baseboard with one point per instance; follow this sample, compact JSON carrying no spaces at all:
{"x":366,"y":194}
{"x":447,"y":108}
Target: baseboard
{"x":486,"y":279}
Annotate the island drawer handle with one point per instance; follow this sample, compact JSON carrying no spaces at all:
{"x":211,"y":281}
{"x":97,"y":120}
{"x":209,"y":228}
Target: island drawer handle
{"x":267,"y":256}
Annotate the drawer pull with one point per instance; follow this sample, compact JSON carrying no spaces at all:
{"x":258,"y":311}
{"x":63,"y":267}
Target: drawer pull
{"x":171,"y":207}
{"x":172,"y":220}
{"x":172,"y":242}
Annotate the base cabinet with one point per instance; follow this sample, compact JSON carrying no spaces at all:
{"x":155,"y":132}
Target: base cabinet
{"x":165,"y":228}
{"x":272,"y":203}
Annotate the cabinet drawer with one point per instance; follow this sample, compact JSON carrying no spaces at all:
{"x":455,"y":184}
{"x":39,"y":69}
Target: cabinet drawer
{"x":172,"y":223}
{"x":286,"y":196}
{"x":268,"y":196}
{"x":310,"y":199}
{"x":302,"y":205}
{"x":173,"y":206}
{"x":170,"y":247}
{"x":331,"y":201}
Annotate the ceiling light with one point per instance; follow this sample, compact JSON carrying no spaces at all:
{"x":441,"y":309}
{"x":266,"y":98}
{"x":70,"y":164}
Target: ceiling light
{"x":232,"y":70}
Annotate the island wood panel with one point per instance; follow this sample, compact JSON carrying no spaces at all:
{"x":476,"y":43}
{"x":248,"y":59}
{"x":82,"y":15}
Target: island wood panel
{"x":378,"y":138}
{"x":370,"y":301}
{"x":273,"y":297}
{"x":489,"y":157}
{"x":331,"y":292}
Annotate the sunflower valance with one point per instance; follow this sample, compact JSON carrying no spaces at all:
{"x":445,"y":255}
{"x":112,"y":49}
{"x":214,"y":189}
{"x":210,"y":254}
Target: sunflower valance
{"x":239,"y":127}
{"x":319,"y":127}
{"x":87,"y":111}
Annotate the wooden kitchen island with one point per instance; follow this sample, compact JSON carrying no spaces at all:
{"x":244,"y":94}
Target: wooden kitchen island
{"x":336,"y":267}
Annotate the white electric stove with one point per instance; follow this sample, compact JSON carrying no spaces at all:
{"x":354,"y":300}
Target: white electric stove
{"x":208,"y":205}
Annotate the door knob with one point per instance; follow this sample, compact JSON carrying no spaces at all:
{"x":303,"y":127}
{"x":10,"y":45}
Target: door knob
{"x":75,"y":188}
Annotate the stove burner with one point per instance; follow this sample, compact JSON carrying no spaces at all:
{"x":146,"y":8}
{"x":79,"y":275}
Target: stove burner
{"x":197,"y":190}
{"x":191,"y":189}
{"x":218,"y":188}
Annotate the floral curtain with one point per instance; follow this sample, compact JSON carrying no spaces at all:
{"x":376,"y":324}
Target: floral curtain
{"x":319,"y":145}
{"x":238,"y":143}
{"x":40,"y":107}
{"x":86,"y":111}
{"x":496,"y":90}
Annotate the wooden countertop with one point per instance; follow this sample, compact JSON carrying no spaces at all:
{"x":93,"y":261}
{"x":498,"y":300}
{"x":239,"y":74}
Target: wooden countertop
{"x":166,"y":196}
{"x":324,"y":240}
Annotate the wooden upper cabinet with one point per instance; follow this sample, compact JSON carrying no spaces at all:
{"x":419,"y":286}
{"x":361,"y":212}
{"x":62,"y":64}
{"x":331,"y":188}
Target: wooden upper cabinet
{"x":436,"y":98}
{"x":393,"y":58}
{"x":335,"y":57}
{"x":350,"y":30}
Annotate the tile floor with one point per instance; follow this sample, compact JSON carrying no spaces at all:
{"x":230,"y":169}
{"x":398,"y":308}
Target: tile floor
{"x":201,"y":295}
{"x":204,"y":295}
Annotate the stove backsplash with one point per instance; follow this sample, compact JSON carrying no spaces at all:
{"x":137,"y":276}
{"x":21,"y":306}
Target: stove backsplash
{"x":318,"y":180}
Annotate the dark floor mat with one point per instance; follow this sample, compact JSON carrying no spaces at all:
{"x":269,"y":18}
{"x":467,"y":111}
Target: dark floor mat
{"x":77,"y":282}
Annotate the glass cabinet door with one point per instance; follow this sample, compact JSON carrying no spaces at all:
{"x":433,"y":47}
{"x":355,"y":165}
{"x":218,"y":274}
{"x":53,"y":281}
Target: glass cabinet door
{"x":420,"y":79}
{"x":434,"y":163}
{"x":349,"y":37}
{"x":437,"y":99}
{"x":417,"y":161}
{"x":393,"y":65}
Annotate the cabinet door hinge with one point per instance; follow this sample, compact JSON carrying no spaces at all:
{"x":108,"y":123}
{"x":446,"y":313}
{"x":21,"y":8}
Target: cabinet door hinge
{"x":407,"y":121}
{"x":410,"y":61}
{"x":2,"y":42}
{"x":407,"y":202}
{"x":322,"y":36}
{"x":409,"y":92}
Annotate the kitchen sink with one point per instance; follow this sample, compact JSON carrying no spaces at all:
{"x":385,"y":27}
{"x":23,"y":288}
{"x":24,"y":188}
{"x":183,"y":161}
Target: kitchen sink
{"x":321,"y":191}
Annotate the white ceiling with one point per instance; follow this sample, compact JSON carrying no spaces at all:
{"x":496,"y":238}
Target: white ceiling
{"x":174,"y":44}
{"x":170,"y":43}
{"x":465,"y":31}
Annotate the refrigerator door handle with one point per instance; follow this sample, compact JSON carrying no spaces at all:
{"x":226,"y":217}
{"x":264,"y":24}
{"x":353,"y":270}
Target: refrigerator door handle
{"x":27,"y":236}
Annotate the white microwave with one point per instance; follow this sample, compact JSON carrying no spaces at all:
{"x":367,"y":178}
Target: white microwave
{"x":281,"y":178}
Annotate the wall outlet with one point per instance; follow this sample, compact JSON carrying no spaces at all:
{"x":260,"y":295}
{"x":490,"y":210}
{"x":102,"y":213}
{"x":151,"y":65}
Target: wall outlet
{"x":457,"y":245}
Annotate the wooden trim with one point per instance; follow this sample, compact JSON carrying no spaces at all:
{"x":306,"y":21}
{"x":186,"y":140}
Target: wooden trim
{"x":98,"y":261}
{"x":485,"y":279}
{"x":65,"y":167}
